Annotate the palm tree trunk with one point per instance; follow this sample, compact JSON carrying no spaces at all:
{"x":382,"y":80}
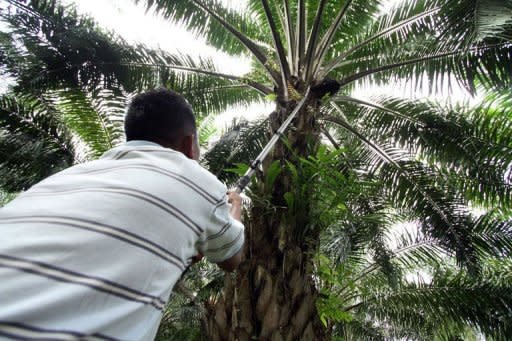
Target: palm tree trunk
{"x":273,"y":295}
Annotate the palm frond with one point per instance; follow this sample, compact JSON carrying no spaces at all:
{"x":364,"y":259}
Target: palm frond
{"x":312,"y":44}
{"x":411,"y":186}
{"x":450,"y":296}
{"x":471,"y":153}
{"x":493,"y":235}
{"x":278,"y":44}
{"x":488,"y":65}
{"x":34,"y":142}
{"x":97,"y":120}
{"x":410,"y":18}
{"x":240,"y":144}
{"x":358,"y":16}
{"x":329,"y":36}
{"x":471,"y":21}
{"x":199,"y":13}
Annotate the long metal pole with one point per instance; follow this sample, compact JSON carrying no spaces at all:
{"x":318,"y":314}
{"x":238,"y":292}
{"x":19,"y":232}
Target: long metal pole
{"x":246,"y":178}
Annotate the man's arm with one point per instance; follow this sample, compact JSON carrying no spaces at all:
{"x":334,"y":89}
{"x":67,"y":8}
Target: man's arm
{"x":232,"y":263}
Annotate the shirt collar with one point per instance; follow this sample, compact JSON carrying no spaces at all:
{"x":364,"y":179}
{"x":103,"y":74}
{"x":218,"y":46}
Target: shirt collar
{"x":142,"y":143}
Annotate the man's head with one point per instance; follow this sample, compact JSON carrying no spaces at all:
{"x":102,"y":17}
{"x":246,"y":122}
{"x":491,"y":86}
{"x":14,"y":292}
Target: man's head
{"x":164,"y":117}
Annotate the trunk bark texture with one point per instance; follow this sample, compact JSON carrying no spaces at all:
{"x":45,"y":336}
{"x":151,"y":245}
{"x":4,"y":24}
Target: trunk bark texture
{"x":272,"y":296}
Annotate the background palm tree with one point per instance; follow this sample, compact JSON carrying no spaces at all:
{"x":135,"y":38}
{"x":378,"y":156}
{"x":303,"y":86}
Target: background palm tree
{"x":317,"y":259}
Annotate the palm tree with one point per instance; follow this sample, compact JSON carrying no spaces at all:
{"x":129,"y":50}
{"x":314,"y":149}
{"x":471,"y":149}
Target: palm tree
{"x":379,"y":281}
{"x":395,"y":158}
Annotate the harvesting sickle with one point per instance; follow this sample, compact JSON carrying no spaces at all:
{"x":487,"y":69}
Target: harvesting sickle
{"x":246,"y":178}
{"x":328,"y":87}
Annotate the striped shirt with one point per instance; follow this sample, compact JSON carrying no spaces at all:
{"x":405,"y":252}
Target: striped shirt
{"x":94,"y":251}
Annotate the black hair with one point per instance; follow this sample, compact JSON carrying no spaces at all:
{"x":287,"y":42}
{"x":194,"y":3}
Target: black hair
{"x":162,"y":116}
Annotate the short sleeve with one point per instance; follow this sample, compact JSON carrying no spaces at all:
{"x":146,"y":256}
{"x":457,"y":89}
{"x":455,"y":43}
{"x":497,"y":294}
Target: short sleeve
{"x":224,"y":236}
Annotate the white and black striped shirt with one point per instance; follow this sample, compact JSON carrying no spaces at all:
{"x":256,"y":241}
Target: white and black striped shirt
{"x":94,"y":251}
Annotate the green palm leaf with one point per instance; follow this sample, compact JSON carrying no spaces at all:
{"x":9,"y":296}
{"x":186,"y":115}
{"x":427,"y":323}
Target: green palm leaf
{"x":33,"y":144}
{"x":97,"y":120}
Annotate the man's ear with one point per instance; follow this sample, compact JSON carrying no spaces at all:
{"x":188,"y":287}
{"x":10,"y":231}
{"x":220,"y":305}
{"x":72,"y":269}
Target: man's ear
{"x":187,"y":146}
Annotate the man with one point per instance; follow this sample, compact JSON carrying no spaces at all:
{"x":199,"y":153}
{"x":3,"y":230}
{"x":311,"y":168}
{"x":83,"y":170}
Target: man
{"x":94,"y":251}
